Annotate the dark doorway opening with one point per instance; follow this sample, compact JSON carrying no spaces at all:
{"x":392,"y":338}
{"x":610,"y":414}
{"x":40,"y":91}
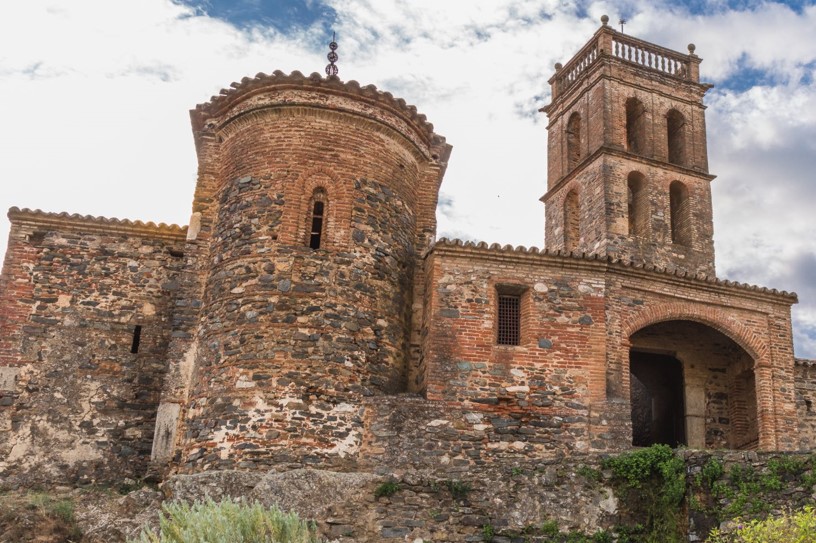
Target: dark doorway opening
{"x":658,"y":411}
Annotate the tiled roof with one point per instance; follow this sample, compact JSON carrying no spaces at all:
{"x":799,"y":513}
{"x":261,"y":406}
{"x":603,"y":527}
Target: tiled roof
{"x":370,"y":92}
{"x":104,"y":223}
{"x":521,"y":250}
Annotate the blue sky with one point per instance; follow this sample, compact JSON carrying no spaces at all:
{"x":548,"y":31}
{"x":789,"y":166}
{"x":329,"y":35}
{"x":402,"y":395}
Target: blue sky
{"x":97,"y":92}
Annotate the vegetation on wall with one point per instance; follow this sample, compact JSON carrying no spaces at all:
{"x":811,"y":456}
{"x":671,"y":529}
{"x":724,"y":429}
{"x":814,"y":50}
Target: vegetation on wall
{"x":227,"y":521}
{"x":37,"y":516}
{"x":791,"y":527}
{"x":654,"y":480}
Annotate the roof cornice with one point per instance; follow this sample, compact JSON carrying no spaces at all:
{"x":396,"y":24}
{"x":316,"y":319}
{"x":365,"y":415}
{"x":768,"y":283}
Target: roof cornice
{"x":91,"y":223}
{"x":579,"y":260}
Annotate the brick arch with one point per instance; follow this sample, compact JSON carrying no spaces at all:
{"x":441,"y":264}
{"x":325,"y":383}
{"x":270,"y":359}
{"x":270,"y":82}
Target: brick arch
{"x":338,"y":195}
{"x":756,"y":347}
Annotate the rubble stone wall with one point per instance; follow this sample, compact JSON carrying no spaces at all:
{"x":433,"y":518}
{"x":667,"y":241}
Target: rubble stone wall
{"x":291,"y":338}
{"x":77,"y":403}
{"x":565,"y":386}
{"x":805,"y":376}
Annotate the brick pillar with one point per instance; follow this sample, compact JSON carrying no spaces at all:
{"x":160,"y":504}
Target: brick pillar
{"x":766,"y":417}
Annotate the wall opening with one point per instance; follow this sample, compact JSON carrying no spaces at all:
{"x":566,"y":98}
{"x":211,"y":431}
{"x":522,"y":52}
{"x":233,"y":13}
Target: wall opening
{"x":572,"y":221}
{"x":680,"y":214}
{"x":509,"y":320}
{"x":137,"y":338}
{"x":691,"y":384}
{"x":574,"y":140}
{"x":656,"y":394}
{"x":317,"y":207}
{"x":638,"y":205}
{"x":676,"y":132}
{"x":635,"y":126}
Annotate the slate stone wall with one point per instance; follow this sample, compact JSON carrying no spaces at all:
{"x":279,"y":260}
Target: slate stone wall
{"x":291,"y":338}
{"x":77,"y":405}
{"x":806,"y":403}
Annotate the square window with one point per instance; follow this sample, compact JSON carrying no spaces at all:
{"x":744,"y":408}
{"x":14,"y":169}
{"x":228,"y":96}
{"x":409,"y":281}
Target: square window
{"x":509,"y":319}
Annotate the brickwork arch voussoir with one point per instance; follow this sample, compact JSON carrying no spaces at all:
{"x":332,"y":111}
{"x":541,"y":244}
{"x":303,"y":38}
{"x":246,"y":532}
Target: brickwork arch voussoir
{"x":747,"y":338}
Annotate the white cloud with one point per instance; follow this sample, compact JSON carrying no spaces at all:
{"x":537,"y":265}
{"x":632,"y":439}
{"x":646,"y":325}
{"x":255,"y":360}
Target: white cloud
{"x":96,"y":96}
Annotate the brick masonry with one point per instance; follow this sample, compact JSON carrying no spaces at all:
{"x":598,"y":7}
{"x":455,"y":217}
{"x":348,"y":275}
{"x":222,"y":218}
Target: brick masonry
{"x":379,"y":347}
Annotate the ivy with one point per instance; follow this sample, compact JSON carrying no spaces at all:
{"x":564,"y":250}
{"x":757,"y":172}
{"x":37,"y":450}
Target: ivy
{"x":658,"y":477}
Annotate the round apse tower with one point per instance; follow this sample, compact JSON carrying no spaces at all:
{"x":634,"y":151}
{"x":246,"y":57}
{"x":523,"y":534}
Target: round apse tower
{"x":316,"y":199}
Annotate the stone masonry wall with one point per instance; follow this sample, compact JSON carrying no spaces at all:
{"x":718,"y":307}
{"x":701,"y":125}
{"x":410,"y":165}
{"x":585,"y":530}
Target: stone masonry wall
{"x":565,"y":387}
{"x":537,"y":394}
{"x":292,"y":338}
{"x":805,"y":376}
{"x":509,"y":502}
{"x":76,"y":404}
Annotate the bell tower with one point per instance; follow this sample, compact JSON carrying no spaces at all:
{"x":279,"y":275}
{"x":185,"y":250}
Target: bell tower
{"x":627,"y":160}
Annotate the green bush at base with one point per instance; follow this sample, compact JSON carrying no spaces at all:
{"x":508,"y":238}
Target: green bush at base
{"x":793,"y":527}
{"x":227,"y":521}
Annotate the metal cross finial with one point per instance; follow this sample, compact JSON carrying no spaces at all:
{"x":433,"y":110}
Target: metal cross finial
{"x":331,"y":69}
{"x":622,"y":22}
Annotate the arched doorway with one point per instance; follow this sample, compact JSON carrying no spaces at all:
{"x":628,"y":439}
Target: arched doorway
{"x":691,"y":385}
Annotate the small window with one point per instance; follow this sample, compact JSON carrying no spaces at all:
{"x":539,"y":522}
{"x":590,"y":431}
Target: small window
{"x":317,"y":220}
{"x":137,"y":338}
{"x":508,"y":316}
{"x":509,"y":319}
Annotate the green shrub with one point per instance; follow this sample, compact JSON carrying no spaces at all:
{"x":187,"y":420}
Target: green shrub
{"x":656,"y":477}
{"x":710,"y":474}
{"x":458,"y":489}
{"x":386,"y":489}
{"x":792,"y":527}
{"x":62,"y":509}
{"x":227,"y":522}
{"x":588,"y":473}
{"x":549,"y":528}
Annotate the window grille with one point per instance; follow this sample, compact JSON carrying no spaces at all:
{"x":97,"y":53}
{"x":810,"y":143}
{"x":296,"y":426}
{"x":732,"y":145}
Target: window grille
{"x":509,"y":330}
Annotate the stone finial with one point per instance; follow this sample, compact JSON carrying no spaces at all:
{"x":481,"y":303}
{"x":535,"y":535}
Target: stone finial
{"x":558,"y":66}
{"x":691,"y":48}
{"x":604,"y":19}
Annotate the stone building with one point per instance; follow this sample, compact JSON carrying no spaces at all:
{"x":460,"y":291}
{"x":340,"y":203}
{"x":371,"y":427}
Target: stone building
{"x":307,"y":315}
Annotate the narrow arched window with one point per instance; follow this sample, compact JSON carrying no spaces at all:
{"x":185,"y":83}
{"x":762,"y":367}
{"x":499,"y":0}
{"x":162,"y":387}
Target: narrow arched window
{"x":680,"y":214}
{"x":635,"y":126}
{"x":574,"y":140}
{"x":317,"y":220}
{"x":676,"y":132}
{"x":572,"y":221}
{"x":638,"y":205}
